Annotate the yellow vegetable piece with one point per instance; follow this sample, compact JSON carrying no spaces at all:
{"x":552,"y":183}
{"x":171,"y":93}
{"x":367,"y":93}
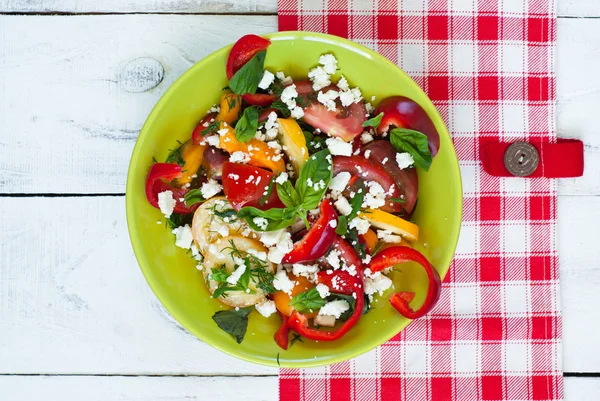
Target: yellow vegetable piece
{"x":231,"y":105}
{"x":261,"y":155}
{"x":395,"y":224}
{"x":193,"y":155}
{"x":293,"y":141}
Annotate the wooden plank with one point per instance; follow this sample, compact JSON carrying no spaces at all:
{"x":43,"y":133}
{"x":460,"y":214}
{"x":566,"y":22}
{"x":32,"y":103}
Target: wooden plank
{"x":97,"y":388}
{"x":572,"y":8}
{"x":141,"y":6}
{"x":73,"y":300}
{"x":84,"y":146}
{"x":69,"y":388}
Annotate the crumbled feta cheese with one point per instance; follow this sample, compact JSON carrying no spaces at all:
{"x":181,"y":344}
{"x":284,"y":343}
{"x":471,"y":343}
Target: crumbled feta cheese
{"x":357,"y":94}
{"x":323,"y":290}
{"x":304,"y":270}
{"x":385,"y":159}
{"x":328,"y":99}
{"x":366,"y":138}
{"x":333,"y":258}
{"x":274,"y":145}
{"x":367,"y":153}
{"x":339,"y":182}
{"x":183,"y":237}
{"x":329,"y":63}
{"x":210,"y":189}
{"x":347,"y":98}
{"x":370,"y":108}
{"x":375,"y":198}
{"x":284,"y":80}
{"x":261,"y":222}
{"x":387,"y":236}
{"x":239,"y":157}
{"x":282,"y":282}
{"x":404,"y":160}
{"x":214,"y":109}
{"x":343,"y":206}
{"x":281,"y":178}
{"x":333,"y":223}
{"x":234,"y":177}
{"x":223,"y":231}
{"x":166,"y":203}
{"x":338,"y":147}
{"x":319,"y":77}
{"x":343,"y":84}
{"x":237,"y":273}
{"x":361,"y":225}
{"x":334,"y":308}
{"x":266,"y":308}
{"x":213,"y":140}
{"x":257,"y":254}
{"x":223,"y":131}
{"x":367,"y":259}
{"x":282,"y":246}
{"x":377,"y":283}
{"x":266,"y":80}
{"x":289,"y":95}
{"x":270,"y":238}
{"x":297,"y":112}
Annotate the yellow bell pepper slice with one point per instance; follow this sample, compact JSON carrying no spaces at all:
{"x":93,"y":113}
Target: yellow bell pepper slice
{"x":231,"y":104}
{"x":193,"y":155}
{"x":395,"y":224}
{"x":293,"y":142}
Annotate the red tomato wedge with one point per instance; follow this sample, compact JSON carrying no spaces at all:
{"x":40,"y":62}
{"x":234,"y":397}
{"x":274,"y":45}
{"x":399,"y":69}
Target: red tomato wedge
{"x":244,"y":186}
{"x":241,"y":52}
{"x":406,"y":179}
{"x":364,"y":170}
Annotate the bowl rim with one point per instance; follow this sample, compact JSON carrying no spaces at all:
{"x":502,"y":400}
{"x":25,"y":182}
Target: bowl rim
{"x":135,"y":240}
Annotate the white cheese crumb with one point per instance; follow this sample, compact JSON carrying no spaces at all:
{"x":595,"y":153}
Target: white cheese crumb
{"x":223,"y":231}
{"x":266,"y":308}
{"x":366,"y":138}
{"x":387,"y":236}
{"x":289,"y":95}
{"x":339,"y":182}
{"x":304,"y":270}
{"x":239,"y":157}
{"x":404,"y":160}
{"x":335,"y":308}
{"x":284,"y":80}
{"x":319,"y":77}
{"x":223,"y":131}
{"x":281,"y":246}
{"x":213,"y":140}
{"x":343,"y":84}
{"x":297,"y":112}
{"x":281,"y":178}
{"x":370,"y":108}
{"x":282,"y":282}
{"x":234,"y":177}
{"x":214,"y":109}
{"x":333,"y":223}
{"x":261,"y":222}
{"x":367,"y":153}
{"x":329,"y":63}
{"x":377,"y":283}
{"x":343,"y":206}
{"x":328,"y":99}
{"x":210,"y":189}
{"x":338,"y":147}
{"x":183,"y":237}
{"x":323,"y":290}
{"x":257,"y":254}
{"x":375,"y":198}
{"x":361,"y":225}
{"x":347,"y":98}
{"x":333,"y":258}
{"x":266,"y":80}
{"x":166,"y":203}
{"x":235,"y":276}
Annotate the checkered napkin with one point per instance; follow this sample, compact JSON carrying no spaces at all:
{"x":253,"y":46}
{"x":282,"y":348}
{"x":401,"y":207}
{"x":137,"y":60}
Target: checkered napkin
{"x":488,"y":65}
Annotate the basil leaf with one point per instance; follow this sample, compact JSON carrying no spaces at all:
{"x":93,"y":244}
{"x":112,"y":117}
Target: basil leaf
{"x":308,"y":301}
{"x":288,"y":194}
{"x":413,"y":142}
{"x":356,"y":203}
{"x":373,"y":122}
{"x":247,"y":78}
{"x":225,"y":214}
{"x":219,"y":275}
{"x":314,"y":179}
{"x":246,"y":127}
{"x":314,"y":143}
{"x":282,"y":108}
{"x":277,"y":218}
{"x":342,"y":225}
{"x":179,"y":220}
{"x":192,"y":197}
{"x":263,"y":199}
{"x":233,"y":322}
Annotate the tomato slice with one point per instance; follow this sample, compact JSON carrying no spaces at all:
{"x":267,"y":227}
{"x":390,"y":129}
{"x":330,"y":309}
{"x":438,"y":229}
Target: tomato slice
{"x":202,"y":125}
{"x":243,"y":50}
{"x":345,"y":123}
{"x":406,"y":179}
{"x":362,"y":169}
{"x":244,"y":185}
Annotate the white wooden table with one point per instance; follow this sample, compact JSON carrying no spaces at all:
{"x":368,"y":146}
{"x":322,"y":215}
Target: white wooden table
{"x":77,"y":320}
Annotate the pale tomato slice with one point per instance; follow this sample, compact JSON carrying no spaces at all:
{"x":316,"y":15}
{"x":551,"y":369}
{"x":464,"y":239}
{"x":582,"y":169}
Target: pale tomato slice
{"x":244,"y":185}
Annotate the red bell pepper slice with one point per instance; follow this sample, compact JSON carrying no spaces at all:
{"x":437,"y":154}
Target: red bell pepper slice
{"x":343,"y":283}
{"x":281,"y":336}
{"x":352,"y":284}
{"x":157,"y":181}
{"x":400,"y":254}
{"x":318,"y":240}
{"x":242,"y":51}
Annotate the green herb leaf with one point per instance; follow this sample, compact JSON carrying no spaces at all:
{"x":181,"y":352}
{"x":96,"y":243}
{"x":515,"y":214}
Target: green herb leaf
{"x":352,"y":238}
{"x":212,"y":127}
{"x":373,"y":122}
{"x":247,"y":78}
{"x":342,"y":225}
{"x":179,"y":220}
{"x":224,"y":214}
{"x":176,"y":157}
{"x":295,"y":337}
{"x":219,"y":274}
{"x":288,"y":194}
{"x":317,"y":172}
{"x":263,"y":199}
{"x":413,"y":142}
{"x":277,"y":218}
{"x":308,"y":301}
{"x":233,"y":322}
{"x":246,"y":127}
{"x":378,"y":247}
{"x":193,"y":196}
{"x":281,"y":107}
{"x":314,"y":143}
{"x":398,"y":200}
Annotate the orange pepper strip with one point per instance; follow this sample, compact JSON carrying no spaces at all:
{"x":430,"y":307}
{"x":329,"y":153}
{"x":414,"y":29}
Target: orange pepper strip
{"x":260,"y":156}
{"x":193,"y":155}
{"x":231,"y":104}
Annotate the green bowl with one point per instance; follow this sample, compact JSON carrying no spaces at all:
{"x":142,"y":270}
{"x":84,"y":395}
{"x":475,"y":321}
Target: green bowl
{"x":172,"y":273}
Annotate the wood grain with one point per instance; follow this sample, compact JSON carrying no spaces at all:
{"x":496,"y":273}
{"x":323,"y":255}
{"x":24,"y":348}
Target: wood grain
{"x":75,"y":301}
{"x":77,"y":111}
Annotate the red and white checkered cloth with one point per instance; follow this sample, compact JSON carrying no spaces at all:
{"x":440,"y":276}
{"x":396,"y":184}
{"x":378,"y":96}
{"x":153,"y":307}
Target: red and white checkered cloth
{"x":488,"y":65}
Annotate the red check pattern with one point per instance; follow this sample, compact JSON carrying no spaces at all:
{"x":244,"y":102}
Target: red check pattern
{"x":496,"y":333}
